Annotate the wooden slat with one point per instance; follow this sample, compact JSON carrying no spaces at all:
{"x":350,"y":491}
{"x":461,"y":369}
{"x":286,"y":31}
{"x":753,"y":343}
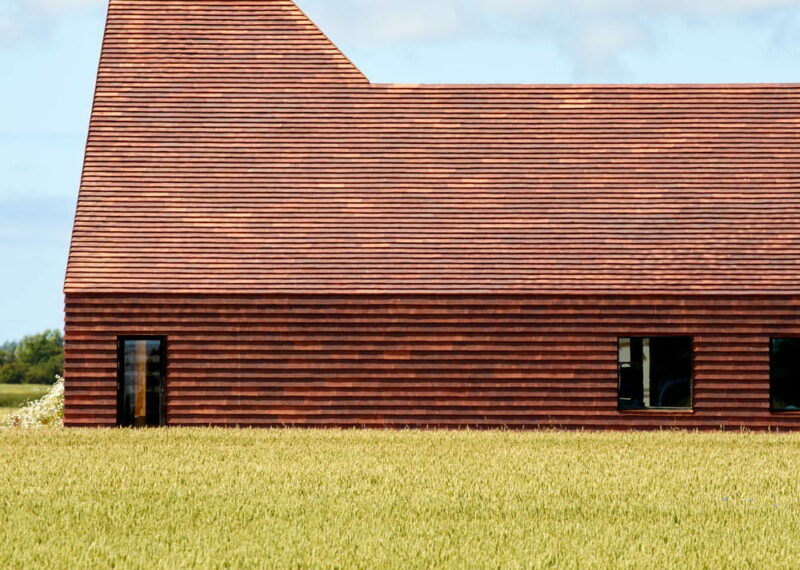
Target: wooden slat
{"x":483,"y":361}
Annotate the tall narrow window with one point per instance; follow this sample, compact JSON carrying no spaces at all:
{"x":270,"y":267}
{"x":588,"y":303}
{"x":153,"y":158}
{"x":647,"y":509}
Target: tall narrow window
{"x":785,"y":374}
{"x":142,"y":381}
{"x":655,"y":373}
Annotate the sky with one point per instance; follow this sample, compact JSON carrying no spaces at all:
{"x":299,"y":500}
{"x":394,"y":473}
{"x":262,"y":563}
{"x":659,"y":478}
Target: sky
{"x":49,"y":51}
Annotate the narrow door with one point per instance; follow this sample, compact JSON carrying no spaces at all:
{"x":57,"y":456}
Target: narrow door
{"x":142,"y":381}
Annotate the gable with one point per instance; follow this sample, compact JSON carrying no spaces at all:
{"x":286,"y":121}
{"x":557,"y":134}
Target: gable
{"x":186,"y":45}
{"x":234,"y":149}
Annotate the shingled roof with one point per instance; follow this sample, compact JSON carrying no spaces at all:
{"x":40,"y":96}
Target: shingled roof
{"x":233,"y":148}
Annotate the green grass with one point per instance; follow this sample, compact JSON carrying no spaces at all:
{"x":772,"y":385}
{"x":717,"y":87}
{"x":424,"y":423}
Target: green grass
{"x":331,"y":499}
{"x":14,"y":395}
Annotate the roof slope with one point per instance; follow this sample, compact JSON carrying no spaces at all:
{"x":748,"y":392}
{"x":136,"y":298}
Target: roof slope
{"x":233,"y":148}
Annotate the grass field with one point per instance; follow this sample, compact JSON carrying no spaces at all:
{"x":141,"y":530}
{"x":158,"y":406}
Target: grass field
{"x":330,"y":499}
{"x":12,"y":396}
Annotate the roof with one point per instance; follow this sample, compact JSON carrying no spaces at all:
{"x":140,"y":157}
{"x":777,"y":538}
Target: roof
{"x":233,"y":148}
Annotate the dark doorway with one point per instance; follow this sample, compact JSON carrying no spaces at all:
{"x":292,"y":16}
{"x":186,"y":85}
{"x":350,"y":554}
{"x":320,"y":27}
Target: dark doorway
{"x":142,"y":381}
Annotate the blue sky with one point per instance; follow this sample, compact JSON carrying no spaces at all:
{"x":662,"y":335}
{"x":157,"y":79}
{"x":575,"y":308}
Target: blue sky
{"x":49,"y":51}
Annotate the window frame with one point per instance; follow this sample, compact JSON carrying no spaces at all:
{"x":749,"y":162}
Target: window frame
{"x":773,"y":410}
{"x":163,"y":355}
{"x":692,"y":372}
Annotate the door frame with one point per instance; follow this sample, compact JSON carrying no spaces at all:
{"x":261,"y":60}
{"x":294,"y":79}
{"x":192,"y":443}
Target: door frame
{"x":162,"y":412}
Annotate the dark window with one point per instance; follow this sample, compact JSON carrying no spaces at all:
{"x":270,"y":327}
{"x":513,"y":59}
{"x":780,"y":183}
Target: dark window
{"x":655,"y":372}
{"x":785,"y":374}
{"x":142,"y":382}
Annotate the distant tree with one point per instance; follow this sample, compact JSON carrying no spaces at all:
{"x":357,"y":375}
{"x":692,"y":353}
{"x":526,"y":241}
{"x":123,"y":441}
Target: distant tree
{"x":36,"y":359}
{"x":6,"y":356}
{"x":13,"y":373}
{"x":39,"y":348}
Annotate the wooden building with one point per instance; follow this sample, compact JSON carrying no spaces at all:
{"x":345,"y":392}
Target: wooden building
{"x":264,"y":238}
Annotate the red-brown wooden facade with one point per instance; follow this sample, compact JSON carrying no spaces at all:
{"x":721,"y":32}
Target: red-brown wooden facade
{"x":324,"y":251}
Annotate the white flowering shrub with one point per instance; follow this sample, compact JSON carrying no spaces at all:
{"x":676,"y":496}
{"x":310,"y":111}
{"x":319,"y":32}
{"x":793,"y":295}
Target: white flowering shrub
{"x":46,"y":411}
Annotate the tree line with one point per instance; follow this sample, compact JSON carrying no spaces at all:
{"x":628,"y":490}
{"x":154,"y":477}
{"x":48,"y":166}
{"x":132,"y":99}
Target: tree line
{"x":36,"y":359}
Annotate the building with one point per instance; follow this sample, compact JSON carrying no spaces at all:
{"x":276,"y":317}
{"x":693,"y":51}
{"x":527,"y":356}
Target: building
{"x":264,"y":238}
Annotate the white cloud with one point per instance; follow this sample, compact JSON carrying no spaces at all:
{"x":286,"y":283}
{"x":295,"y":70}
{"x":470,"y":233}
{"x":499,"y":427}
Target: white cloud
{"x":8,"y":27}
{"x":594,"y":34}
{"x":594,"y":48}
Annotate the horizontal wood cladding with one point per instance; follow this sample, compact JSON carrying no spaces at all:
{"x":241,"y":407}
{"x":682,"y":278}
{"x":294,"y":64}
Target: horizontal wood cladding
{"x":234,"y":149}
{"x":197,"y":41}
{"x":442,"y":361}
